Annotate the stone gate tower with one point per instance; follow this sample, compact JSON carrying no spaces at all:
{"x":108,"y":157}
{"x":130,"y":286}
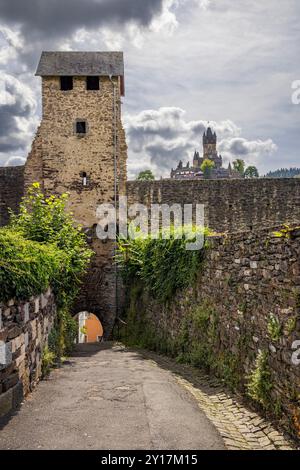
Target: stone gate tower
{"x":80,"y":148}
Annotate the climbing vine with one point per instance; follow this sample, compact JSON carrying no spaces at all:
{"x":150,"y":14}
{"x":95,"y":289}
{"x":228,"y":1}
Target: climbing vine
{"x":163,"y":265}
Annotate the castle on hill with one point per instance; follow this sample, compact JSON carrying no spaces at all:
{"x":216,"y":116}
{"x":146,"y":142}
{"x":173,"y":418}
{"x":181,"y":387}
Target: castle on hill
{"x":209,"y":153}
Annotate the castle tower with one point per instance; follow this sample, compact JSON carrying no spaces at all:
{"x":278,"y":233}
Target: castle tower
{"x":210,"y":148}
{"x":80,"y":148}
{"x":209,"y":143}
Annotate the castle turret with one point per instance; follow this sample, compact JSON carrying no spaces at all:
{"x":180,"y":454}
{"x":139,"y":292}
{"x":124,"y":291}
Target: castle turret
{"x":196,"y":160}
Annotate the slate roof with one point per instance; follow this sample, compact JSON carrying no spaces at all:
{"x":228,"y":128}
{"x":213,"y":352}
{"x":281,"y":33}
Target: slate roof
{"x":81,"y":63}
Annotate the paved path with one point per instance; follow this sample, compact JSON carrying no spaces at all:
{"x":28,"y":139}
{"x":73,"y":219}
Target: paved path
{"x":110,"y":399}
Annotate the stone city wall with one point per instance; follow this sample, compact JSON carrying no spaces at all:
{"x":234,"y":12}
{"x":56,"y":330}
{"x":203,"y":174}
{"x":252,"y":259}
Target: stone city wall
{"x":24,"y":330}
{"x":230,"y":205}
{"x":241,"y":320}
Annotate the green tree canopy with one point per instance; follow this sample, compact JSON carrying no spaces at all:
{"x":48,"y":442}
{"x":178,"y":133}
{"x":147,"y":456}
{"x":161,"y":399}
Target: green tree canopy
{"x":146,"y":175}
{"x":251,"y":172}
{"x":207,"y":167}
{"x":239,"y":165}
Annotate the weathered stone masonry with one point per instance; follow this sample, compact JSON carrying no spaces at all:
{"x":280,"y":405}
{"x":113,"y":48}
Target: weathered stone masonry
{"x":230,"y":205}
{"x":11,"y":190}
{"x":248,"y":279}
{"x":24,"y":330}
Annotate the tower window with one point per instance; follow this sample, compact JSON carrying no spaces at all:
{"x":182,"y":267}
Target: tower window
{"x":66,"y":83}
{"x":92,"y":83}
{"x":80,"y":127}
{"x":83,"y":176}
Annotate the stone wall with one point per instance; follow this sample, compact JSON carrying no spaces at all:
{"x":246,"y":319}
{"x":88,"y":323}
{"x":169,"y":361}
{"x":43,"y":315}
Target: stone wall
{"x":11,"y":190}
{"x":230,"y":205}
{"x":24,"y":330}
{"x":244,"y":306}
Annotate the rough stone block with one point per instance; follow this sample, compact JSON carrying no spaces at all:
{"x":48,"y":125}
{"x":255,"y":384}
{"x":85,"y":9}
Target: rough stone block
{"x":37,"y":305}
{"x":6,"y":402}
{"x":14,"y":331}
{"x":26,"y":312}
{"x":5,"y":354}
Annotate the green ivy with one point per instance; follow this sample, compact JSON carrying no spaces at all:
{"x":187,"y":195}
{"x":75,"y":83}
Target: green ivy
{"x":163,"y":265}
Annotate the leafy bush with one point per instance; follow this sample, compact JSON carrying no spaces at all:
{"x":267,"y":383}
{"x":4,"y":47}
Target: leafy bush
{"x":48,"y":361}
{"x":43,"y":247}
{"x":45,"y":220}
{"x":164,"y":265}
{"x":26,"y":267}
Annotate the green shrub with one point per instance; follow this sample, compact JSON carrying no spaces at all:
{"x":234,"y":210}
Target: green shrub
{"x":48,"y":361}
{"x":26,"y":267}
{"x":42,"y":247}
{"x":46,"y":220}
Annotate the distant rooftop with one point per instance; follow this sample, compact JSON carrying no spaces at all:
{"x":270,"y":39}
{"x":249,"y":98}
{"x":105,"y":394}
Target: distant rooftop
{"x":81,"y":63}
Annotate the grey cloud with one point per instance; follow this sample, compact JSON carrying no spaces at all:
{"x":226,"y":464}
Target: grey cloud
{"x":17,"y":114}
{"x":52,"y":18}
{"x":239,"y":147}
{"x":165,"y":157}
{"x":15,"y":161}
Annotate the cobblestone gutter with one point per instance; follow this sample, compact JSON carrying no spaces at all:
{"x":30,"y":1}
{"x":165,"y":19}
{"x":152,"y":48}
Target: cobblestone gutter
{"x":240,"y":427}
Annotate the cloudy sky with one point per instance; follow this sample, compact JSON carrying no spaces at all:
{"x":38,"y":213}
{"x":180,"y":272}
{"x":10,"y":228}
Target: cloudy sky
{"x":187,"y":62}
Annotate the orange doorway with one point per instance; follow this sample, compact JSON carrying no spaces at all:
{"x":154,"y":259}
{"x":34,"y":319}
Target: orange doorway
{"x":90,"y":329}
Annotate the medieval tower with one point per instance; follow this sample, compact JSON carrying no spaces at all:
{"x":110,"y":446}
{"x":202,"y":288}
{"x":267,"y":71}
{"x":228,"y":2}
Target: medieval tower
{"x":210,"y":148}
{"x":80,"y":148}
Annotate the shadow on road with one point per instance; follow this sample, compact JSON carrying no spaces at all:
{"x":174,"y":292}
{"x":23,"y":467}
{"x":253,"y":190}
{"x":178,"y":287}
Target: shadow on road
{"x":89,"y":349}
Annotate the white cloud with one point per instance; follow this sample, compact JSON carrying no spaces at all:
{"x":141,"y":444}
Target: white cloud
{"x":158,"y":139}
{"x":167,"y":21}
{"x":12,"y":43}
{"x":251,"y":151}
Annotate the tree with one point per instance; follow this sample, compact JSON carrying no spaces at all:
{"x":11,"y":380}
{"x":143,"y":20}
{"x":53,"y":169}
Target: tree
{"x":239,"y":166}
{"x":207,"y":167}
{"x":251,"y":172}
{"x":146,"y":175}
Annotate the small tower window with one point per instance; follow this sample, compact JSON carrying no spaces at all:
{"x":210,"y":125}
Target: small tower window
{"x":92,"y":83}
{"x":80,"y":127}
{"x":84,"y":179}
{"x":66,"y":83}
